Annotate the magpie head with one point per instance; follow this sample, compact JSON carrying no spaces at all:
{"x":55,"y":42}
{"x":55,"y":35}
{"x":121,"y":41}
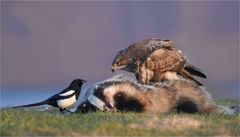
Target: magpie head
{"x":77,"y":83}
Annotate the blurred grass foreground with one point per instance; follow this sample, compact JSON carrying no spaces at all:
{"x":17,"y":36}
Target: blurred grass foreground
{"x":31,"y":122}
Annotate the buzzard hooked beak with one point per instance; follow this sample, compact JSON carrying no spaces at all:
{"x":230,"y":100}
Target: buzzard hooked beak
{"x":113,"y":69}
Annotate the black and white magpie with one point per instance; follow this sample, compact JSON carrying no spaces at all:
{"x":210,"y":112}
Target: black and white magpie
{"x":64,"y":99}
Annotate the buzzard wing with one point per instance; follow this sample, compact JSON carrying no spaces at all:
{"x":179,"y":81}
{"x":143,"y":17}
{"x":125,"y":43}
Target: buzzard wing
{"x":165,"y":60}
{"x":154,"y":56}
{"x":151,"y":58}
{"x":142,"y":50}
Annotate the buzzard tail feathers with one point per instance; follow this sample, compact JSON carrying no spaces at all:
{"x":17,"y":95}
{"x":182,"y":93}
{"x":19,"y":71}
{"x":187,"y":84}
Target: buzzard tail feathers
{"x":194,"y":71}
{"x":185,"y":74}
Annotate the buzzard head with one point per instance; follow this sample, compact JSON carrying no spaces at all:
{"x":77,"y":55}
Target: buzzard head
{"x":121,"y":61}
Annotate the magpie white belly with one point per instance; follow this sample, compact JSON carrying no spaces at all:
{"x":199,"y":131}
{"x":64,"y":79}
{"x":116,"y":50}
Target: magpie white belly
{"x":65,"y":103}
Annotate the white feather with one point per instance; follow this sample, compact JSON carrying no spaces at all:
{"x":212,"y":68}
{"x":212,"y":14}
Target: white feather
{"x":179,"y":51}
{"x":67,"y":93}
{"x":171,"y":76}
{"x":65,"y":103}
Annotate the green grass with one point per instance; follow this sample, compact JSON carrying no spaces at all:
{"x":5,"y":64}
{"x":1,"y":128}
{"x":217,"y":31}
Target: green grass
{"x":19,"y":122}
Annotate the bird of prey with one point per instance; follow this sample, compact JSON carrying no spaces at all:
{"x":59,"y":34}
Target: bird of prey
{"x":64,"y":99}
{"x":154,"y":60}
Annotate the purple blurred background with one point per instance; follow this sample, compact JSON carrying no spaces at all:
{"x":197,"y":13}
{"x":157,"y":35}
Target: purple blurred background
{"x":45,"y":45}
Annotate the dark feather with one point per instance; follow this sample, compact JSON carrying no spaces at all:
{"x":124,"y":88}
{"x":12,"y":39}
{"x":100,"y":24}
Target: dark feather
{"x":186,"y":75}
{"x":58,"y":97}
{"x":194,"y":70}
{"x":32,"y":105}
{"x":50,"y":101}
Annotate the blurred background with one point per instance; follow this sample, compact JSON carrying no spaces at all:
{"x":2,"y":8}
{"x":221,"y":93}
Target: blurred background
{"x":45,"y":45}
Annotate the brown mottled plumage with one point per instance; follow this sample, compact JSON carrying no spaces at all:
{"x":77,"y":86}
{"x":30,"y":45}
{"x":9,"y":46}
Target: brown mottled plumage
{"x":154,"y":60}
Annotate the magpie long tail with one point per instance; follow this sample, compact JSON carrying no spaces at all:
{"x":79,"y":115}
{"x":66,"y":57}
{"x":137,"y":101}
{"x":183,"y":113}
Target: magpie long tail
{"x":32,"y":105}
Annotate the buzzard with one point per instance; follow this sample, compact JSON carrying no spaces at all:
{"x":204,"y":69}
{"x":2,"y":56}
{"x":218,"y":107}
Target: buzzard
{"x":154,"y":60}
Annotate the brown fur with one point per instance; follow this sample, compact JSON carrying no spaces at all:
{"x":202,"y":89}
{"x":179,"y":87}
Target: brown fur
{"x":164,"y":97}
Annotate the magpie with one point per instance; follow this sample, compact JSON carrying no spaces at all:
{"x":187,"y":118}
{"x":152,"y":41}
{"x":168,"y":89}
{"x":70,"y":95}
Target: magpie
{"x":64,"y":99}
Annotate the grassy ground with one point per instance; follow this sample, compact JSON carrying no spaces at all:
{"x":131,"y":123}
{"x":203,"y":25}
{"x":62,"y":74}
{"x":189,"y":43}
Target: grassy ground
{"x":17,"y":122}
